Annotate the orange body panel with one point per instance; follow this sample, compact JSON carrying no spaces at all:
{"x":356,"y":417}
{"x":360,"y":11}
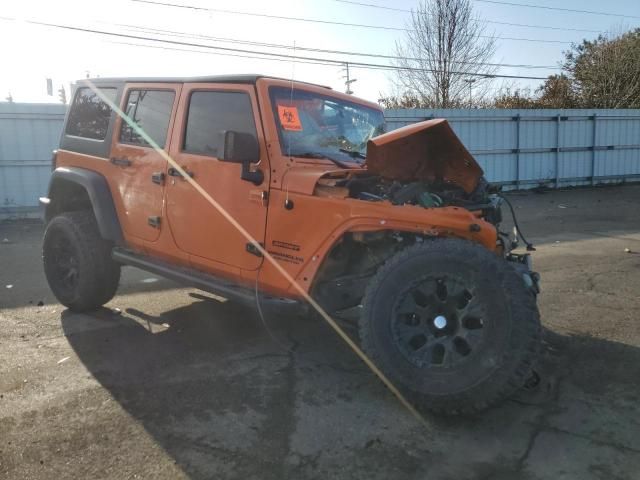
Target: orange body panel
{"x":428,"y":151}
{"x":199,"y":229}
{"x":139,"y":196}
{"x":297,"y":227}
{"x":301,"y":237}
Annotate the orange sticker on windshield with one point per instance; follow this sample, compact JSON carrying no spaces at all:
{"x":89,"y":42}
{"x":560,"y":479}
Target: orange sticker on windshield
{"x":289,"y":118}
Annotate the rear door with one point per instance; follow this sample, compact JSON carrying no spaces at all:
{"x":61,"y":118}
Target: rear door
{"x":206,"y":111}
{"x":138,"y":170}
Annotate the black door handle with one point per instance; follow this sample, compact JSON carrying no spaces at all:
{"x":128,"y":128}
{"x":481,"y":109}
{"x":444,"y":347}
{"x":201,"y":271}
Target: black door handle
{"x":121,"y":162}
{"x":158,"y":178}
{"x":173,"y":172}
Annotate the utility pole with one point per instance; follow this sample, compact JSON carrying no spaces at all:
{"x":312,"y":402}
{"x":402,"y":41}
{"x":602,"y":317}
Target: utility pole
{"x":62,"y":95}
{"x":348,"y":80}
{"x":470,"y":81}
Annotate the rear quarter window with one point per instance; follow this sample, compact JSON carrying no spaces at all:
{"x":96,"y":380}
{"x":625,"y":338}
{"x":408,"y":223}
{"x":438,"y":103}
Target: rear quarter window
{"x":150,"y":110}
{"x":89,"y":115}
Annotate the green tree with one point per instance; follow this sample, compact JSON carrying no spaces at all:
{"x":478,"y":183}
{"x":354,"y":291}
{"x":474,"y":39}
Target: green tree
{"x":405,"y":100}
{"x":516,"y":98}
{"x":605,"y":72}
{"x":556,"y":92}
{"x":600,"y":73}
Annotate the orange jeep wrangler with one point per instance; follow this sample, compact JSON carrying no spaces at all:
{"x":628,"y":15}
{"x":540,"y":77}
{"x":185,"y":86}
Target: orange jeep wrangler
{"x":400,"y":227}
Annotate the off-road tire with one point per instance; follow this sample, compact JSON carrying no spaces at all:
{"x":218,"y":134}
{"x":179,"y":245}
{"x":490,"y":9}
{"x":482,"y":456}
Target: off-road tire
{"x":507,"y":344}
{"x":77,"y":262}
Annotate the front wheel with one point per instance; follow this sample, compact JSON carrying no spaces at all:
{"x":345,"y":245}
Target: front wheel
{"x":453,"y":324}
{"x":77,"y":262}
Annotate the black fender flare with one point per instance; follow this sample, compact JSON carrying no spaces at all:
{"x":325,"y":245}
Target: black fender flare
{"x":99,"y":193}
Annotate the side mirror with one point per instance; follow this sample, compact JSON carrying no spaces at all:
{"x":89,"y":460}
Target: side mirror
{"x":243,"y":148}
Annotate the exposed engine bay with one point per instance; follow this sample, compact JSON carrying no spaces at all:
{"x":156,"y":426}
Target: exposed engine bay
{"x":427,"y":195}
{"x":423,"y":164}
{"x":341,"y":281}
{"x":374,"y":188}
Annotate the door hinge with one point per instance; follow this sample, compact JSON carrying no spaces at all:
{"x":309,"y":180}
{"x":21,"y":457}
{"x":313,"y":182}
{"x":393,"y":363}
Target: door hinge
{"x":154,"y":221}
{"x":158,"y":178}
{"x":260,"y":197}
{"x":253,"y":250}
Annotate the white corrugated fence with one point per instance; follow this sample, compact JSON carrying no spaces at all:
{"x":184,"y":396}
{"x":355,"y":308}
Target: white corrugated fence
{"x":29,"y":132}
{"x":516,"y":148}
{"x":554,"y":148}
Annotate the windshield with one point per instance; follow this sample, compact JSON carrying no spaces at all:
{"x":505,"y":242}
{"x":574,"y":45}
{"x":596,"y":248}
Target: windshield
{"x":316,"y":126}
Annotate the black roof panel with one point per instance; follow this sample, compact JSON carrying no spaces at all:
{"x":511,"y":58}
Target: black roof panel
{"x":240,"y":78}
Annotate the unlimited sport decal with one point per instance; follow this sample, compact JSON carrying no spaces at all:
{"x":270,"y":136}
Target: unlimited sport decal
{"x":286,"y":257}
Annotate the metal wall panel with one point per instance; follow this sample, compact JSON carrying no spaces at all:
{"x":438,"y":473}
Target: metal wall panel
{"x":555,"y":148}
{"x":28,"y":134}
{"x":517,"y":148}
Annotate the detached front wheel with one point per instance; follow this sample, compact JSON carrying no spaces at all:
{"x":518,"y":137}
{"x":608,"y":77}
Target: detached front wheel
{"x":454,"y":325}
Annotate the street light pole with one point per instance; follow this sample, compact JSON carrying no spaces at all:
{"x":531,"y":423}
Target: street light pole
{"x":348,"y":80}
{"x":470,"y":81}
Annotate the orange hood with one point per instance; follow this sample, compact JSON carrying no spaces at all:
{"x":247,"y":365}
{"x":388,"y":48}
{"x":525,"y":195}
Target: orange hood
{"x":427,"y":151}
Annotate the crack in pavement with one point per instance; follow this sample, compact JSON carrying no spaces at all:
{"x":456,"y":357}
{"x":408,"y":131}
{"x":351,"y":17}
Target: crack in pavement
{"x":601,"y":443}
{"x":281,"y":423}
{"x":547,"y":411}
{"x":541,"y":423}
{"x":615,"y":237}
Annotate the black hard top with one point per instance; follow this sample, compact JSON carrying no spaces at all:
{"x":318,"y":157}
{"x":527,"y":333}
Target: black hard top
{"x":250,"y":79}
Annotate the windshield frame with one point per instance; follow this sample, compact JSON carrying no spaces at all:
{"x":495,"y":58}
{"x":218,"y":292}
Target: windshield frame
{"x":341,"y":156}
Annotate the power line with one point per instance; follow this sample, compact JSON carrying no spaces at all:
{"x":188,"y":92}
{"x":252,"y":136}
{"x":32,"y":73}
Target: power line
{"x":302,"y":59}
{"x":396,"y":9}
{"x":204,"y":52}
{"x":561,"y":9}
{"x":328,"y":22}
{"x":312,"y":49}
{"x":265,"y":15}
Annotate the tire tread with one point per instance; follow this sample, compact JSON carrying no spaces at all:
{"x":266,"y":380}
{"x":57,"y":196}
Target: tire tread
{"x":517,"y":362}
{"x":101,"y":274}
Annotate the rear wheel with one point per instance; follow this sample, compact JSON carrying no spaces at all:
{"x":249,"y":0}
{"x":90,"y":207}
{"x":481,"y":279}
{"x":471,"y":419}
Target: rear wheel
{"x":453,"y":324}
{"x":77,"y":262}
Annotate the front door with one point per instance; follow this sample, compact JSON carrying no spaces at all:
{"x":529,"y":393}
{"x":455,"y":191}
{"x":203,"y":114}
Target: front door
{"x":137,"y":169}
{"x":206,"y":111}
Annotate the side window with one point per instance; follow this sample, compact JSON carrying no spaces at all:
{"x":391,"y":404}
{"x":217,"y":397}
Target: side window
{"x":213,"y":113}
{"x":89,"y":116}
{"x":151,"y":111}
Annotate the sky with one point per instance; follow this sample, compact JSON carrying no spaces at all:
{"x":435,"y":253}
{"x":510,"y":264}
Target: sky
{"x":32,"y":53}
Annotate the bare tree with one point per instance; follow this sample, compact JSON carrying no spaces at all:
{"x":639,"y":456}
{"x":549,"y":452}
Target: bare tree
{"x":445,"y":55}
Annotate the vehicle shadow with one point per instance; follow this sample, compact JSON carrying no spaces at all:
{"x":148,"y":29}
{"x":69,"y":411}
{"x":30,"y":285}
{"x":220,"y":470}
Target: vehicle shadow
{"x":225,"y":398}
{"x":36,"y":292}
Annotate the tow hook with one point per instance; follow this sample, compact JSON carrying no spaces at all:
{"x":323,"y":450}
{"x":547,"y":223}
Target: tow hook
{"x":532,"y":281}
{"x":523,"y":264}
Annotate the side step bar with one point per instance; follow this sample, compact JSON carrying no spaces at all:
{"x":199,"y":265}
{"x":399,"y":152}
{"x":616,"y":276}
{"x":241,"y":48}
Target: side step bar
{"x":193,"y":278}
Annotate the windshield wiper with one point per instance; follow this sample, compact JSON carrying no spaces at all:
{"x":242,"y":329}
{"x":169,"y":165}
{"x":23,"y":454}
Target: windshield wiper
{"x":321,"y":156}
{"x":353,"y":153}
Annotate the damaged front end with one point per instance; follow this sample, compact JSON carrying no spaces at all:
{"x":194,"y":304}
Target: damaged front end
{"x":422,"y":165}
{"x":425,"y":164}
{"x":428,"y":152}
